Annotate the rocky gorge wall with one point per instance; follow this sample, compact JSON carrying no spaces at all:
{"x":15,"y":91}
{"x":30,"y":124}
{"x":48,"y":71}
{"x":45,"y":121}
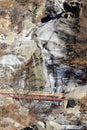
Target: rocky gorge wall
{"x":43,"y":47}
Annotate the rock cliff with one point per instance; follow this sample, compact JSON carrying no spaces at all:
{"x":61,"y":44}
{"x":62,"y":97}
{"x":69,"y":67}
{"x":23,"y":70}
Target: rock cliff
{"x":42,"y":47}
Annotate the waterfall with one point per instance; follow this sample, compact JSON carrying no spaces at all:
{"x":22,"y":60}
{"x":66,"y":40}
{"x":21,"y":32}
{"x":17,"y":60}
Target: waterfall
{"x":59,"y":4}
{"x":21,"y":83}
{"x":49,"y":70}
{"x":54,"y":71}
{"x":53,"y":50}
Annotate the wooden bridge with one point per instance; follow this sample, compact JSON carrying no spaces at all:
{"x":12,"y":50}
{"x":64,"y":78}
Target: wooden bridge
{"x":33,"y":95}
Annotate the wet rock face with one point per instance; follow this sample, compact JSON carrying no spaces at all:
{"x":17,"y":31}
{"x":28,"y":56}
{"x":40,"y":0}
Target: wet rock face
{"x":52,"y":54}
{"x":75,"y":49}
{"x":73,"y":7}
{"x":53,"y":10}
{"x":56,"y":41}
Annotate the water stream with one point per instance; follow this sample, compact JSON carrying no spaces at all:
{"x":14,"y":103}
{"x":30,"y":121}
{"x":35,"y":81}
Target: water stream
{"x":53,"y":74}
{"x":52,"y":54}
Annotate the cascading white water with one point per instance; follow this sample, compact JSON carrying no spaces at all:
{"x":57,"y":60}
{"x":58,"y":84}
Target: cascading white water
{"x":21,"y":83}
{"x":54,"y":76}
{"x":49,"y":77}
{"x":52,"y":53}
{"x":52,"y":49}
{"x":58,"y":4}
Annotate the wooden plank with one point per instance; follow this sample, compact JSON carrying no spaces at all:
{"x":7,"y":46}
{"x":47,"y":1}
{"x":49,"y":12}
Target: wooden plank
{"x":40,"y":98}
{"x":34,"y":93}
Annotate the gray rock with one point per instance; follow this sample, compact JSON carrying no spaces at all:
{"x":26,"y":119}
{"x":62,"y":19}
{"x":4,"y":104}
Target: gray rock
{"x":10,"y":121}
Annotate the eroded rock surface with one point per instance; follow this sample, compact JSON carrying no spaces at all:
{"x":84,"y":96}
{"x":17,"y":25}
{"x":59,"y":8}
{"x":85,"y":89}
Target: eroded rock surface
{"x":42,"y":47}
